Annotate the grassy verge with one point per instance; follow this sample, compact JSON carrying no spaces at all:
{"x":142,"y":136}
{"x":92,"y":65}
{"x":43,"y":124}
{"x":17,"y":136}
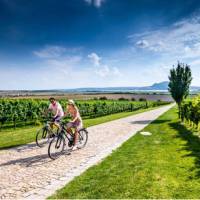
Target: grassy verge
{"x":163,"y":165}
{"x":23,"y":135}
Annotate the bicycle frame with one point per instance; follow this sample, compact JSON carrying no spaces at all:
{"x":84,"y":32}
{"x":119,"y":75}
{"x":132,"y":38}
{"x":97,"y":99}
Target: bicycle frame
{"x":65,"y":132}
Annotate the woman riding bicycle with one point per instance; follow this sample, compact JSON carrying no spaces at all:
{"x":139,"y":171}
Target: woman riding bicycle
{"x":76,"y":122}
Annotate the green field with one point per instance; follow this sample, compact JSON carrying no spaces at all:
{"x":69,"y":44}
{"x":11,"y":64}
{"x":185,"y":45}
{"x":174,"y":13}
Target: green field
{"x":163,"y":165}
{"x":22,"y":135}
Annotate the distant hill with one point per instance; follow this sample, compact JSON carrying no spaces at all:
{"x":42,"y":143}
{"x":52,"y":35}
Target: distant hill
{"x":156,"y":86}
{"x":162,"y":86}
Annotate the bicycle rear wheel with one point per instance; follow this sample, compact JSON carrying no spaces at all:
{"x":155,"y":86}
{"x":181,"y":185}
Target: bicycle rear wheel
{"x":56,"y":147}
{"x":82,"y":138}
{"x":42,"y":137}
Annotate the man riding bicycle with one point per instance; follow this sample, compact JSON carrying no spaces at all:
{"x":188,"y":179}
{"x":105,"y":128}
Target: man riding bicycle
{"x":57,"y":110}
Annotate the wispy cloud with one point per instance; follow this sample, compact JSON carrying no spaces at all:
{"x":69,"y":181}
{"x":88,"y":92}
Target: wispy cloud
{"x":180,"y":39}
{"x":63,"y":65}
{"x":96,"y":3}
{"x":50,"y":51}
{"x":142,"y":43}
{"x":94,"y":58}
{"x":103,"y":70}
{"x":57,"y":59}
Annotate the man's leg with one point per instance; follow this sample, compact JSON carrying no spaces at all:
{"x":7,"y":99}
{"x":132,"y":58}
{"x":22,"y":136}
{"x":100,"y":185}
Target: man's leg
{"x":57,"y":123}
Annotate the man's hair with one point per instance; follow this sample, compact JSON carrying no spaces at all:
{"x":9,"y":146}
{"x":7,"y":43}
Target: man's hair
{"x":52,"y":99}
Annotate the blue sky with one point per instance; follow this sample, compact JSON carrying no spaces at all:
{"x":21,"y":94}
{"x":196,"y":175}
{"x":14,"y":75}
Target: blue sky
{"x":52,"y":44}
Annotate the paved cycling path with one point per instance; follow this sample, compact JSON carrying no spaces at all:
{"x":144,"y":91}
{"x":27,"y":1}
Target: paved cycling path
{"x":27,"y":172}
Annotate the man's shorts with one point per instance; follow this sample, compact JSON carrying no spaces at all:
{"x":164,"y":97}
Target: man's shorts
{"x":57,"y":119}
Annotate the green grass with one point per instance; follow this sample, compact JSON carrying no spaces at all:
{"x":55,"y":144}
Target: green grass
{"x":23,"y":135}
{"x":100,"y":120}
{"x":163,"y":165}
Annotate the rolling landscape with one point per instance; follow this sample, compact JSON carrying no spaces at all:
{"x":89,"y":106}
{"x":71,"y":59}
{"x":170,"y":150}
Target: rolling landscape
{"x":157,"y":91}
{"x":99,"y":99}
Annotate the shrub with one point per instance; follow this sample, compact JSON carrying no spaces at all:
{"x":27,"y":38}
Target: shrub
{"x":142,"y":99}
{"x":123,"y":99}
{"x":102,"y":98}
{"x":133,"y":99}
{"x":190,"y":111}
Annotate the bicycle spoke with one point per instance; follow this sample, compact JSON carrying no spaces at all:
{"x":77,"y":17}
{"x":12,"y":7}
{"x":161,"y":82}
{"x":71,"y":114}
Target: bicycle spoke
{"x":42,"y":137}
{"x":82,"y":138}
{"x":56,"y":147}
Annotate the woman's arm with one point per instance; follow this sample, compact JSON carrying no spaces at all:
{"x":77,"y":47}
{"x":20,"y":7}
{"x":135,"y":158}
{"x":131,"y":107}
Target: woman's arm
{"x":67,"y":111}
{"x":76,"y":116}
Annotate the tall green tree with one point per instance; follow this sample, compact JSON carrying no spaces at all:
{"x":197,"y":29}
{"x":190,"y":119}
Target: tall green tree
{"x":180,"y":79}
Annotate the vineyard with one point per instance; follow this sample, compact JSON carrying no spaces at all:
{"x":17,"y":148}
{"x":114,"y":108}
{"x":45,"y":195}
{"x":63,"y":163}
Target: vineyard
{"x":29,"y":111}
{"x":190,"y":111}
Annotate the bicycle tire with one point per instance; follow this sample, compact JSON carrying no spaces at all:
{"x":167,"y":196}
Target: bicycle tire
{"x":42,"y":137}
{"x":56,"y":147}
{"x":82,"y":138}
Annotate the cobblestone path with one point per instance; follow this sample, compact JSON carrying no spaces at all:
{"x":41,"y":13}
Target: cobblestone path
{"x":27,"y":171}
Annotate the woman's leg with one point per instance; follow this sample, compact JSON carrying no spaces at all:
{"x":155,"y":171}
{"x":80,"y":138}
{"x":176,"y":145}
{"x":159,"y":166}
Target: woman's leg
{"x":69,"y":127}
{"x":75,"y":136}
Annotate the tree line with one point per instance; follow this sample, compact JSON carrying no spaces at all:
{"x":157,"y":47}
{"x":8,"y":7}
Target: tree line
{"x":28,"y":111}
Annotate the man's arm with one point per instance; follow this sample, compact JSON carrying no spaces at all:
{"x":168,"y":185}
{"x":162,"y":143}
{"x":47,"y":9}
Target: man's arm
{"x":47,"y":111}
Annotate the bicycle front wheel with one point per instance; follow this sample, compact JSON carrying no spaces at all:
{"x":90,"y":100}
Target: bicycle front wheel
{"x":42,"y":137}
{"x":56,"y":147}
{"x":82,"y":138}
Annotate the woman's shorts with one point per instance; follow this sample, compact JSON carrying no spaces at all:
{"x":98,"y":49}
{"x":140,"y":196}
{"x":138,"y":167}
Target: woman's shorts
{"x":76,"y":124}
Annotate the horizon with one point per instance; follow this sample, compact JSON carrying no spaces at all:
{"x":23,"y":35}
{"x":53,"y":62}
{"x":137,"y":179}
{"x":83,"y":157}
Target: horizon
{"x":80,"y":88}
{"x":96,"y":43}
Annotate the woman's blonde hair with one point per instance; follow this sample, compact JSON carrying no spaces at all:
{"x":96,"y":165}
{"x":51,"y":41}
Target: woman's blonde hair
{"x":71,"y":102}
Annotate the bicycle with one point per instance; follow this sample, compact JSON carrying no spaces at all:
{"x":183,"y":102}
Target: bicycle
{"x":44,"y":134}
{"x":65,"y":139}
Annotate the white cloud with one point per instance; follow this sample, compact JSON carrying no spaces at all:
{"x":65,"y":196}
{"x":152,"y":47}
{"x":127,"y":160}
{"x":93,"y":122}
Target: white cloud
{"x":96,"y":3}
{"x":94,"y":58}
{"x":50,"y":51}
{"x":56,"y":62}
{"x":63,"y":65}
{"x":103,"y":70}
{"x":180,"y":39}
{"x":116,"y":71}
{"x":142,"y":43}
{"x":106,"y":71}
{"x":88,"y":1}
{"x":195,"y":63}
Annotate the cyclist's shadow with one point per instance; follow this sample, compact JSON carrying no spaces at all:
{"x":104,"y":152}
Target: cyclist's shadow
{"x":29,"y":161}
